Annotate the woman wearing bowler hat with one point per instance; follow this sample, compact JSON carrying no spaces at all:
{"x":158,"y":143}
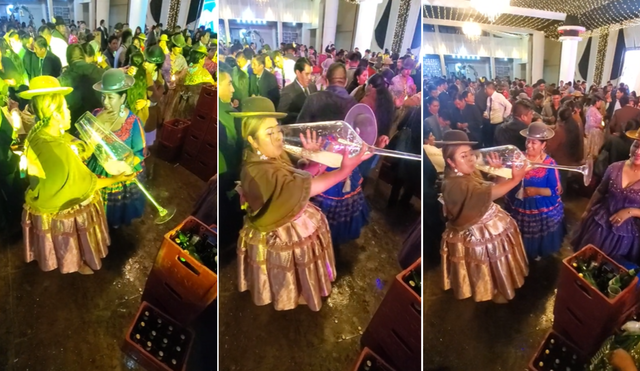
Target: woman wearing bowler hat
{"x":123,"y":201}
{"x":63,"y":221}
{"x":482,"y":252}
{"x":285,"y":255}
{"x":174,"y":71}
{"x":535,"y":204}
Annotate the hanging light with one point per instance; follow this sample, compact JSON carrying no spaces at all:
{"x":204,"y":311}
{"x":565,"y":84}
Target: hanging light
{"x":491,"y":9}
{"x":472,"y":30}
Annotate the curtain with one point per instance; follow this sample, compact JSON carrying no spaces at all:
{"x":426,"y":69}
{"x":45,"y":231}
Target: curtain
{"x":380,"y":32}
{"x":618,"y":56}
{"x":583,"y":65}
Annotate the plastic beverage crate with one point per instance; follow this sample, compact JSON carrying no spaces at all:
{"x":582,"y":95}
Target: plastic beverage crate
{"x":394,"y":332}
{"x":168,"y":153}
{"x":556,"y":352}
{"x":582,"y":314}
{"x":168,"y":329}
{"x":178,"y":284}
{"x":376,"y":363}
{"x":174,"y":132}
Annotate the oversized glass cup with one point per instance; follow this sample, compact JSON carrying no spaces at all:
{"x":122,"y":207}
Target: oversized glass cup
{"x":335,"y":137}
{"x":499,"y":161}
{"x":115,"y":157}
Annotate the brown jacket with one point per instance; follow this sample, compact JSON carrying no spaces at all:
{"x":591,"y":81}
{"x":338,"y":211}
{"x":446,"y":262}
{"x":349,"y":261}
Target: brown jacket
{"x":621,"y":117}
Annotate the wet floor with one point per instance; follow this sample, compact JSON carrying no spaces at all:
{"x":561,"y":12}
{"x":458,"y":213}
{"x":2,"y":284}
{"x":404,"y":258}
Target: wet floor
{"x":50,"y":321}
{"x":261,"y":338}
{"x":464,"y":335}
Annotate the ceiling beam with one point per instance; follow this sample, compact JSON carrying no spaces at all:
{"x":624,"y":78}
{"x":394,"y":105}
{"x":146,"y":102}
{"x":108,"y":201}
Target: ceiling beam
{"x":511,"y":10}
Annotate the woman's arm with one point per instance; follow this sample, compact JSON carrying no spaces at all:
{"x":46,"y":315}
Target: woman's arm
{"x":106,"y":182}
{"x":502,"y":188}
{"x":325,"y":181}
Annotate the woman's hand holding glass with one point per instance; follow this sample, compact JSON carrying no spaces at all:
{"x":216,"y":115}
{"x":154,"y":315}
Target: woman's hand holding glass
{"x":312,"y":142}
{"x":350,"y":163}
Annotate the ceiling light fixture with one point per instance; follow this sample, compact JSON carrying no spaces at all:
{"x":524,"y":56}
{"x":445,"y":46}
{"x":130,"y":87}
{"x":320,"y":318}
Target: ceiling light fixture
{"x":472,"y":30}
{"x":491,"y":9}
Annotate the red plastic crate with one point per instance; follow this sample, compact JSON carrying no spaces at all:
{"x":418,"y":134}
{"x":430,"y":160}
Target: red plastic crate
{"x":142,"y":357}
{"x":192,"y":144}
{"x":394,"y":332}
{"x":208,"y":100}
{"x":367,"y":354}
{"x":208,"y":151}
{"x":178,"y":284}
{"x":167,"y":152}
{"x":172,"y":134}
{"x":201,"y":122}
{"x":212,"y":133}
{"x":584,"y":315}
{"x":560,"y":342}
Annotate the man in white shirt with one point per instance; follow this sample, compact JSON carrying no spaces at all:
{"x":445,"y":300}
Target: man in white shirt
{"x":498,"y":108}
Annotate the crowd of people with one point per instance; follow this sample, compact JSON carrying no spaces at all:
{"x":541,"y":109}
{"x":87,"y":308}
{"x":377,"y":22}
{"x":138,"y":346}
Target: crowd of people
{"x":132,"y":82}
{"x":293,"y":206}
{"x":486,"y":249}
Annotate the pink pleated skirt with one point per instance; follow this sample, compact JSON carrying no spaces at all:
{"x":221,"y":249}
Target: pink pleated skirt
{"x":487,"y":260}
{"x":291,"y":265}
{"x":66,"y":240}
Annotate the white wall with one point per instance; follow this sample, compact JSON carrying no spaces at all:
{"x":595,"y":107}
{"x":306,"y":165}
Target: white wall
{"x":281,"y":10}
{"x":552,"y":52}
{"x":118,"y":12}
{"x":453,"y":44}
{"x":346,"y":25}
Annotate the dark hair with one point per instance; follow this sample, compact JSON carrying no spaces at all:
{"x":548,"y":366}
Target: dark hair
{"x":101,"y":21}
{"x":538,"y":96}
{"x":139,"y":89}
{"x":354,"y":83}
{"x":632,"y":125}
{"x":573,"y":134}
{"x":555,"y":92}
{"x":301,"y":63}
{"x":224,"y":68}
{"x":624,"y":100}
{"x":248,"y":53}
{"x":195,"y":57}
{"x":126,"y":36}
{"x":522,"y":107}
{"x":260,"y":58}
{"x":491,"y":85}
{"x":41,"y":42}
{"x":44,"y":30}
{"x":75,"y":53}
{"x":231,"y":62}
{"x":430,"y":100}
{"x":111,"y":38}
{"x":465,"y":94}
{"x":384,"y":106}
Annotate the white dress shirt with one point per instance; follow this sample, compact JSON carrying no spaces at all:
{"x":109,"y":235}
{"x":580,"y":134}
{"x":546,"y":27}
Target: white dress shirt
{"x":498,"y":108}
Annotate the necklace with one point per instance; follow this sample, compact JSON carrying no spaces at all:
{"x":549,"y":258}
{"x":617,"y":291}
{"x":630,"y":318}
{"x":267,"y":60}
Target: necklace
{"x":633,"y":168}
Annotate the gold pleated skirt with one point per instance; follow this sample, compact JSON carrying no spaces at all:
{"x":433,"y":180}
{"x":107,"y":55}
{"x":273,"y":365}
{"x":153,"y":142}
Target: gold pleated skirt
{"x":486,"y":261}
{"x":68,"y":239}
{"x":291,"y":265}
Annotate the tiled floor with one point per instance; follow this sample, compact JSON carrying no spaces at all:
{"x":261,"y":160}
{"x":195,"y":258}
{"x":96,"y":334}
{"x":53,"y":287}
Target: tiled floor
{"x":462,"y":335}
{"x":260,"y":338}
{"x":51,"y":321}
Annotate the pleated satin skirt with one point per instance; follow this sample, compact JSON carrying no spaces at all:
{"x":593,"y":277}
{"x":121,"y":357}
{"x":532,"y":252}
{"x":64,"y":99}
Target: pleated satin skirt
{"x":485,"y":261}
{"x":67,"y":239}
{"x":291,"y":265}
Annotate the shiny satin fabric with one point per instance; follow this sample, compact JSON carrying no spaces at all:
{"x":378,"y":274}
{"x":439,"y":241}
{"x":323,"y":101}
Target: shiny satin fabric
{"x":67,"y":239}
{"x":291,"y":265}
{"x":485,"y":261}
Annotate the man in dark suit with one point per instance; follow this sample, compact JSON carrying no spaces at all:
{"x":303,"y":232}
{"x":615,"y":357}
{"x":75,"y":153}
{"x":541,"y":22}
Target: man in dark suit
{"x":104,"y":35}
{"x":41,"y":61}
{"x":294,"y":95}
{"x":623,"y":115}
{"x":467,"y":117}
{"x":263,"y":83}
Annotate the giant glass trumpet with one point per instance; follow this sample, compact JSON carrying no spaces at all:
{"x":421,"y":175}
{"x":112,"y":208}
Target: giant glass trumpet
{"x":115,"y":157}
{"x":509,"y":156}
{"x":336,"y":137}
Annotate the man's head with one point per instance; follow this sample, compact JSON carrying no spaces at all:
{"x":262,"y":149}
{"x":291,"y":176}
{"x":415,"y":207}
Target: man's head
{"x":257,"y":64}
{"x":45,"y":32}
{"x":468,"y":97}
{"x":26,"y":40}
{"x":624,"y":100}
{"x":620,"y":93}
{"x":225,"y":86}
{"x":441,"y":84}
{"x":205,"y":37}
{"x":101,"y":22}
{"x":541,"y":84}
{"x":460,"y":101}
{"x":126,"y":38}
{"x":491,"y":88}
{"x":337,"y":75}
{"x":556,"y":97}
{"x":241,"y":59}
{"x":114,"y":43}
{"x":523,"y":111}
{"x":40,"y":46}
{"x":433,"y":91}
{"x":303,"y":70}
{"x":538,"y":99}
{"x":433,"y":104}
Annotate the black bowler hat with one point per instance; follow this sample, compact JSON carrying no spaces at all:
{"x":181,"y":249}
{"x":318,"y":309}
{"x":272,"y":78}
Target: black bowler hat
{"x":258,"y":107}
